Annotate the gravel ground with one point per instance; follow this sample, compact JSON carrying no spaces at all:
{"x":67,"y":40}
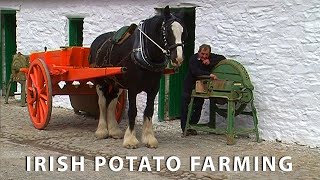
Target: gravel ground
{"x":69,"y":134}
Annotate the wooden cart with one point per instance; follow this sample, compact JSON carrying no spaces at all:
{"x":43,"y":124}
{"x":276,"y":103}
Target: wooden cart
{"x":67,"y":64}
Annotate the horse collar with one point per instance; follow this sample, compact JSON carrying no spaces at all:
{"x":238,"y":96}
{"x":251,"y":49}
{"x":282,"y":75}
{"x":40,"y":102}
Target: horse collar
{"x":140,"y":55}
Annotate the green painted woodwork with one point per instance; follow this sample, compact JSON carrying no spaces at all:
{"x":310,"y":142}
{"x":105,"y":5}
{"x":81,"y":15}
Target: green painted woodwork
{"x":1,"y":68}
{"x":161,"y":100}
{"x":75,"y":31}
{"x":229,"y":95}
{"x":8,"y":45}
{"x":172,"y":103}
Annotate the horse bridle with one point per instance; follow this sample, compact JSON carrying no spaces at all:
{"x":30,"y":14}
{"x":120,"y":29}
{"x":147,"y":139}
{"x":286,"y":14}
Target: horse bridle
{"x":140,"y":55}
{"x":164,"y":27}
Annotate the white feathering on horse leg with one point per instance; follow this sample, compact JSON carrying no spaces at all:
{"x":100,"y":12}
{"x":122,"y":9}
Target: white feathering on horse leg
{"x":130,"y":141}
{"x":147,"y":133}
{"x":114,"y":130}
{"x":102,"y":130}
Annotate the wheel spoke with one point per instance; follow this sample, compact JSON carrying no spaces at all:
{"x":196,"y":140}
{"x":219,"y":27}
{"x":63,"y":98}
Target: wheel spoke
{"x":40,"y":77}
{"x":44,"y":104}
{"x":44,"y":97}
{"x":119,"y":106}
{"x":42,"y":107}
{"x":30,"y":89}
{"x":34,"y":110}
{"x":33,"y":79}
{"x":43,"y":94}
{"x":31,"y":100}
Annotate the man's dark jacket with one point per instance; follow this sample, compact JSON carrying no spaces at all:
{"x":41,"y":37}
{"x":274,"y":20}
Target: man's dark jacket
{"x":196,"y":68}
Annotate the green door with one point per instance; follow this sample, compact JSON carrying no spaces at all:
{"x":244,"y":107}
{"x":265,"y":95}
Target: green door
{"x":169,"y":102}
{"x":8,"y":46}
{"x":75,"y":31}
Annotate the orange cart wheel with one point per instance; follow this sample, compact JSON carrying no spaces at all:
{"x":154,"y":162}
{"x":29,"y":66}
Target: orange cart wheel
{"x":120,"y":105}
{"x":39,"y":94}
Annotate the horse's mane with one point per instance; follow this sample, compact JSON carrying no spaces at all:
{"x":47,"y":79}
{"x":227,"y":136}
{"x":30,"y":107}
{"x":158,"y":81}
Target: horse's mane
{"x":153,"y":30}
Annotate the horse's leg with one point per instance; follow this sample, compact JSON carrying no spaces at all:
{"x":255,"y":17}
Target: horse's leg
{"x":147,"y":129}
{"x":102,"y":130}
{"x":113,"y":127}
{"x":130,"y":141}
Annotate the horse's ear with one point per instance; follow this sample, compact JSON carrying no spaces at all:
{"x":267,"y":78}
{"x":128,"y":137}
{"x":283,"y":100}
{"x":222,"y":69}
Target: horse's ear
{"x":166,"y":13}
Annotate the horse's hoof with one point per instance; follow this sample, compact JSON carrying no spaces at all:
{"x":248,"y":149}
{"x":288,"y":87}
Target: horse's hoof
{"x":151,"y":146}
{"x":132,"y":144}
{"x":116,"y":134}
{"x":150,"y":142}
{"x":101,"y":134}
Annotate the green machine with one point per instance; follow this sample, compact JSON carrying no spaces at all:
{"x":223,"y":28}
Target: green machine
{"x":229,"y":96}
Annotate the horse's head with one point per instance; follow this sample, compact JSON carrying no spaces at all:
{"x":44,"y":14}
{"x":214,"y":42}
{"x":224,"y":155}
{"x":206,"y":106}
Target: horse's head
{"x":159,"y":36}
{"x":174,"y":36}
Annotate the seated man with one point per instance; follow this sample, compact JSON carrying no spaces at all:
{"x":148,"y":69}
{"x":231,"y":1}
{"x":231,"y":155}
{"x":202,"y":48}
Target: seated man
{"x":200,"y":63}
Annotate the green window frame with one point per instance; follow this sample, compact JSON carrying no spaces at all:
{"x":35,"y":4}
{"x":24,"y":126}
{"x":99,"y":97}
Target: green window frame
{"x":76,"y":31}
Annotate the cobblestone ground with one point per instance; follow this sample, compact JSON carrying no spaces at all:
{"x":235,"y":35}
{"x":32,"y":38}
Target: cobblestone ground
{"x":69,"y":134}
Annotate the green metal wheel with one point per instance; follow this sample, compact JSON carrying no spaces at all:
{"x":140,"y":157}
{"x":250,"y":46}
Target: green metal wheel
{"x":232,"y":70}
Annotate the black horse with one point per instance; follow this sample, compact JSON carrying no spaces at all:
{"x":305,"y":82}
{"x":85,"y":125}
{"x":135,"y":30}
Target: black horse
{"x":145,"y":54}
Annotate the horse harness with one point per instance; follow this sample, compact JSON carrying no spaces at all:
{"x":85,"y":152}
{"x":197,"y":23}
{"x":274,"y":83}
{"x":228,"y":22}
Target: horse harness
{"x":138,"y":54}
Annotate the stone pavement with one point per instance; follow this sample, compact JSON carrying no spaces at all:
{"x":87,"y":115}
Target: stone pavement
{"x":69,"y":134}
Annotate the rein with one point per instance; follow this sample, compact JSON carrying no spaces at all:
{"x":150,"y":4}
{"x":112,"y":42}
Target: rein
{"x":164,"y":51}
{"x":141,"y":31}
{"x":139,"y":51}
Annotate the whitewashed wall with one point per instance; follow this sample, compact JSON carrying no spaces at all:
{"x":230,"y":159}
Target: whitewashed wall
{"x":276,"y":40}
{"x":279,"y":44}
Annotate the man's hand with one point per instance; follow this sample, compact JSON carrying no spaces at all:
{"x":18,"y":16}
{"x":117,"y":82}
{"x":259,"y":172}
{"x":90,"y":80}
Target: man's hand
{"x":206,"y":61}
{"x":213,"y":77}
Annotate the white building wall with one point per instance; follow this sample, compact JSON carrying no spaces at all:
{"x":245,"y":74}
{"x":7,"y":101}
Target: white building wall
{"x":277,"y":41}
{"x":279,"y":44}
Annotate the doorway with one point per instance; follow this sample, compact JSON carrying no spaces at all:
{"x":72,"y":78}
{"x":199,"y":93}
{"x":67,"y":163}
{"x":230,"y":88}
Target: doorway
{"x":8,"y":47}
{"x":169,"y":104}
